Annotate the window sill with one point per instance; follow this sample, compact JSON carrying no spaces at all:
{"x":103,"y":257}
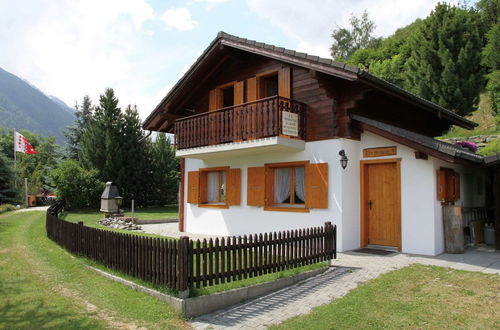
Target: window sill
{"x":214,"y":206}
{"x":287,"y":209}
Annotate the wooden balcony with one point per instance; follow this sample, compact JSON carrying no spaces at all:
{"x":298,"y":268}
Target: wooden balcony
{"x":269,"y":117}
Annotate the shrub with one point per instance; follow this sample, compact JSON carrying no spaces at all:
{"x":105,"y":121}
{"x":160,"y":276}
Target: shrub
{"x":80,"y":188}
{"x":6,"y":208}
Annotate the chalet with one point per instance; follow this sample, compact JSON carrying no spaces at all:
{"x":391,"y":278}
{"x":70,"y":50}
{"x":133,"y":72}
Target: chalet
{"x":273,"y":139}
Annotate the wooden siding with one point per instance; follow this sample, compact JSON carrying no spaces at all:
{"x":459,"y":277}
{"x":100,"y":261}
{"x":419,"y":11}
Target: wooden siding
{"x":306,"y":87}
{"x":321,"y":121}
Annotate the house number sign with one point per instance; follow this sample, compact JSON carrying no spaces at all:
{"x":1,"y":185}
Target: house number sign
{"x":290,"y":123}
{"x":379,"y":152}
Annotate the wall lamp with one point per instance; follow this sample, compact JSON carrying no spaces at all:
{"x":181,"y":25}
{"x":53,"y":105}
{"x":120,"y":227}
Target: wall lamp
{"x":343,"y":159}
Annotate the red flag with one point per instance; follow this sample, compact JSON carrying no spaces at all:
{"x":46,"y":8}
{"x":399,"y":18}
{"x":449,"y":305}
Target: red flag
{"x":21,"y":144}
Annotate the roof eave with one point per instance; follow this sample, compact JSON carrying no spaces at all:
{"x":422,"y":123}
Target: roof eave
{"x":213,"y":45}
{"x":440,"y":111}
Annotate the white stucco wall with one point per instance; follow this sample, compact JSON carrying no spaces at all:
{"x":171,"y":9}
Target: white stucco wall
{"x":417,"y":198}
{"x":421,"y":220}
{"x":243,"y":219}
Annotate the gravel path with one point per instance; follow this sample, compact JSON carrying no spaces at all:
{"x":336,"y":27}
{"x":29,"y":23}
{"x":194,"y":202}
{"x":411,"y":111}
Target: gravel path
{"x":351,"y":269}
{"x":35,"y":208}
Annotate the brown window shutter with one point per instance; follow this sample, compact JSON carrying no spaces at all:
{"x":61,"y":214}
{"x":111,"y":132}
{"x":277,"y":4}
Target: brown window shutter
{"x":441,"y":185}
{"x":284,"y":83}
{"x":456,"y":183}
{"x":193,"y":187}
{"x":256,"y":182}
{"x":239,"y":93}
{"x":317,"y":186}
{"x":234,"y":186}
{"x":251,"y":89}
{"x":215,"y":99}
{"x":203,"y":187}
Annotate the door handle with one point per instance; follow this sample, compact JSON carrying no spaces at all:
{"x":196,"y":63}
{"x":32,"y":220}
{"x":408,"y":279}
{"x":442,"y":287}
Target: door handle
{"x":370,"y":204}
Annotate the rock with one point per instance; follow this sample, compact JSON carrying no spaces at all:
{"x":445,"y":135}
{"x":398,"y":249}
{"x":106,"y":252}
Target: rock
{"x":125,"y":223}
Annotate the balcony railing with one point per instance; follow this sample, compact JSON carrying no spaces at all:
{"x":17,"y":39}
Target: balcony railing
{"x":247,"y":121}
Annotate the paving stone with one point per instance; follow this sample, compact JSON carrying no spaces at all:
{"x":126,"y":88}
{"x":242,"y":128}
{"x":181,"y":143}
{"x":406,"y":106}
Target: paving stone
{"x":350,"y":270}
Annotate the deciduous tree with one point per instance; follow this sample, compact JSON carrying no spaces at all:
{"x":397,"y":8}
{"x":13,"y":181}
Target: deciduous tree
{"x":347,"y":40}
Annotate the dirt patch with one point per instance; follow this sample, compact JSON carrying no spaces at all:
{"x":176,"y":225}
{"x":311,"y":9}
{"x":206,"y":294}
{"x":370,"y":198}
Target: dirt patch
{"x":85,"y":307}
{"x":100,"y":314}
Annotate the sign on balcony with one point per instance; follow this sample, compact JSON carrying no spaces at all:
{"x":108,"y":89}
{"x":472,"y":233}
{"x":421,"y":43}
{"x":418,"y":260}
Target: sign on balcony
{"x":290,"y":123}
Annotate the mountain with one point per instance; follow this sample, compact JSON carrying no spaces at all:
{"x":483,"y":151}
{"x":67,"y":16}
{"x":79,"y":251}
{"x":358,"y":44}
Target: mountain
{"x":23,"y":106}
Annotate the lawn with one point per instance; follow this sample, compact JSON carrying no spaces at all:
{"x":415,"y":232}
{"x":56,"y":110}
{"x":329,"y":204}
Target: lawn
{"x":414,"y":297}
{"x":43,"y":286}
{"x":90,"y":217}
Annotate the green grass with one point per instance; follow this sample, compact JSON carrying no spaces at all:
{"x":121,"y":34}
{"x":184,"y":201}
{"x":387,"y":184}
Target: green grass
{"x":90,"y":218}
{"x":255,"y":280}
{"x":483,"y":116}
{"x":491,"y":149}
{"x":414,"y":297}
{"x":43,"y":286}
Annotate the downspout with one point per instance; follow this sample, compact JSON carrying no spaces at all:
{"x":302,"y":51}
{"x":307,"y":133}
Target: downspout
{"x":145,"y":136}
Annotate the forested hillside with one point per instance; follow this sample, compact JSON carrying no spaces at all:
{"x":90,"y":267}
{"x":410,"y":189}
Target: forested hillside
{"x":451,"y":57}
{"x":23,"y":106}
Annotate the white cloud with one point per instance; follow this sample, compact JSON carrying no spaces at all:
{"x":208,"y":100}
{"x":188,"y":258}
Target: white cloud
{"x":310,"y":23}
{"x":73,"y":48}
{"x":179,"y":19}
{"x":145,"y":102}
{"x":209,"y":3}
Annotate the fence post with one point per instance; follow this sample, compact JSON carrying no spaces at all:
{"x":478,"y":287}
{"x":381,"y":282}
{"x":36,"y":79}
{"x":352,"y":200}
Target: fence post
{"x":331,"y":240}
{"x":182,"y":267}
{"x":335,"y":242}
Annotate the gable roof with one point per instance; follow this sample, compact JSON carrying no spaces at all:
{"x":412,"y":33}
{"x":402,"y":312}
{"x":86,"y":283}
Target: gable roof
{"x":439,"y":149}
{"x":324,"y":65}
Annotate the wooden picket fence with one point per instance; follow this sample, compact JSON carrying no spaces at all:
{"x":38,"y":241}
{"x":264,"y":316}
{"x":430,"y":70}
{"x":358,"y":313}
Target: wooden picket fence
{"x":184,"y":263}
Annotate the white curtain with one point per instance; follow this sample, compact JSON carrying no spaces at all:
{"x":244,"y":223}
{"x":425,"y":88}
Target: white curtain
{"x":281,"y":184}
{"x":213,"y":189}
{"x":222,"y":186}
{"x":299,"y":180}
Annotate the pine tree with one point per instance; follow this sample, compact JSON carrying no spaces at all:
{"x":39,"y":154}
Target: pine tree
{"x":8,"y":192}
{"x":135,"y":177}
{"x":74,"y":133}
{"x":166,"y":169}
{"x":444,"y":64}
{"x":100,"y":142}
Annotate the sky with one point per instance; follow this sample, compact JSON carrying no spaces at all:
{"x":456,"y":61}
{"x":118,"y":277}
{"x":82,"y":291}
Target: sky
{"x":140,"y":48}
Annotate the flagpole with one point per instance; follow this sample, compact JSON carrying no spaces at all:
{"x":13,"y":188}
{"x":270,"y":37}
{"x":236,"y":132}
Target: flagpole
{"x":15,"y":159}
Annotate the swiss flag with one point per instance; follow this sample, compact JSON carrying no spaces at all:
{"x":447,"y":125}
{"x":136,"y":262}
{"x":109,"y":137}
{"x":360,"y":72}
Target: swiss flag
{"x":21,"y":144}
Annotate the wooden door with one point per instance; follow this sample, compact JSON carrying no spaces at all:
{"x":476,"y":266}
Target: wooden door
{"x":381,"y":201}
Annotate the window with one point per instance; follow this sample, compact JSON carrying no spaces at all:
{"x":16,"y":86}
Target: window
{"x":228,"y":96}
{"x":293,"y":186}
{"x":289,"y":187}
{"x":214,"y":187}
{"x":448,"y":185}
{"x":269,"y":85}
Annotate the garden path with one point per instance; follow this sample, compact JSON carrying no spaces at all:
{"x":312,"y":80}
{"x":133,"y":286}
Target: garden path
{"x":350,"y":270}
